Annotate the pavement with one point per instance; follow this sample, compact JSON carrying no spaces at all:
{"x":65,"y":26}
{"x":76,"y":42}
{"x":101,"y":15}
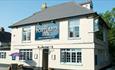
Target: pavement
{"x":5,"y":67}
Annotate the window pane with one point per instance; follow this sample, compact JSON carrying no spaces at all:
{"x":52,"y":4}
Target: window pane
{"x":68,"y":57}
{"x":63,"y":56}
{"x":73,"y":57}
{"x":78,"y":57}
{"x":76,"y":31}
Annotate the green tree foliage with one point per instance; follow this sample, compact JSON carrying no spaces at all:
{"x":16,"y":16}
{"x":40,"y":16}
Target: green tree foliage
{"x":109,"y":17}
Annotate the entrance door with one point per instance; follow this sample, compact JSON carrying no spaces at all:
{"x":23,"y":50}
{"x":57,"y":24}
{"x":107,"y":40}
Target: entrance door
{"x":45,"y":59}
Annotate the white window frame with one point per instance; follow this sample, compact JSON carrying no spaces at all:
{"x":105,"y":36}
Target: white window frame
{"x":73,"y":50}
{"x":26,"y":54}
{"x":96,"y":25}
{"x":27,"y":32}
{"x":2,"y":55}
{"x":70,"y":27}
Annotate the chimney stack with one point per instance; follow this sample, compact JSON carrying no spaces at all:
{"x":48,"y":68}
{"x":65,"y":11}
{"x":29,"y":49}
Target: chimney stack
{"x":88,"y":4}
{"x":44,"y":6}
{"x":1,"y":29}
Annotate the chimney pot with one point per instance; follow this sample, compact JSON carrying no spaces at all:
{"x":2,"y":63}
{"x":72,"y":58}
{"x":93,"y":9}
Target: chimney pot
{"x":44,"y":6}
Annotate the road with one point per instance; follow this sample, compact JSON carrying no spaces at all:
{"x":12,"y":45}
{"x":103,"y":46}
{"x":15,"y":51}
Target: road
{"x":3,"y":67}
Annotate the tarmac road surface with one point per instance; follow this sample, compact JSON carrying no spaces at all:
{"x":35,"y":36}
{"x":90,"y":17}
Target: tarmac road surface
{"x":3,"y":67}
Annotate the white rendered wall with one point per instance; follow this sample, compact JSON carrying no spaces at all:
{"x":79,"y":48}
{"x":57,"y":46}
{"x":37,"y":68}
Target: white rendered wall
{"x":86,"y":34}
{"x":85,"y":42}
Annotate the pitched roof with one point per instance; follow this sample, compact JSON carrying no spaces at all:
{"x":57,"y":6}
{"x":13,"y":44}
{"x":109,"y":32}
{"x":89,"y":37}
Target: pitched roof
{"x":64,"y":10}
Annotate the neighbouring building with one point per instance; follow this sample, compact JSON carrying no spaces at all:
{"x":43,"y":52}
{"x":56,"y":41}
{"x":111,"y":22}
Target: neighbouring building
{"x":68,"y":36}
{"x":5,"y":39}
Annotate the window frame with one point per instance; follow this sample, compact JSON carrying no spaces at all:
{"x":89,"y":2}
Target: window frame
{"x":26,"y":54}
{"x":76,"y":51}
{"x":2,"y":55}
{"x":27,"y":31}
{"x":98,"y":29}
{"x":78,"y":25}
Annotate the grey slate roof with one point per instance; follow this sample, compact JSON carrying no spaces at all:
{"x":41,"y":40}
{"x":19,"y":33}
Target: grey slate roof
{"x":64,"y":10}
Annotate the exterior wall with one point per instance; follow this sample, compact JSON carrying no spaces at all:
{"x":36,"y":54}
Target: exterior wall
{"x":8,"y":58}
{"x":85,"y":42}
{"x":86,"y":34}
{"x":103,"y":56}
{"x":102,"y":45}
{"x":87,"y":58}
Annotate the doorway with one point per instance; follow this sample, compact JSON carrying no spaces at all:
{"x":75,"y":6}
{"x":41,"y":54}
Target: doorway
{"x":45,"y":59}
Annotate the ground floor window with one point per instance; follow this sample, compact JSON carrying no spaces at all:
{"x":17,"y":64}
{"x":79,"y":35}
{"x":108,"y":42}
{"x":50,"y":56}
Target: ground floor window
{"x":25,"y":54}
{"x":2,"y":54}
{"x":13,"y":57}
{"x":71,"y":55}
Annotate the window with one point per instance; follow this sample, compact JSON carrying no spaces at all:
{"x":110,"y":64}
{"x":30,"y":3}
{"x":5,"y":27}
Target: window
{"x":98,"y":29}
{"x":71,"y":56}
{"x":13,"y":57}
{"x":74,"y":28}
{"x":25,"y":54}
{"x":96,"y":25}
{"x":2,"y":54}
{"x":26,"y":33}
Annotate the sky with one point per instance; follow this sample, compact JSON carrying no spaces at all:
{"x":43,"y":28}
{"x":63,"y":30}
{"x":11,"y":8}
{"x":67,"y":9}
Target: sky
{"x":12,"y":11}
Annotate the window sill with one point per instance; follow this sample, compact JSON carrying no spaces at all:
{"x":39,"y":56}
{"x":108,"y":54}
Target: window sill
{"x":78,"y":64}
{"x":26,"y":60}
{"x":26,"y":41}
{"x":75,"y":38}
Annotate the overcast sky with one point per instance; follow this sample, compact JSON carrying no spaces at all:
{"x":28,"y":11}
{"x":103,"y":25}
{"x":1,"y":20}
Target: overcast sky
{"x":12,"y":11}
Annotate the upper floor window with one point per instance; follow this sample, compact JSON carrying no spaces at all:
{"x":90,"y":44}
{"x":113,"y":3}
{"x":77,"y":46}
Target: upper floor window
{"x":98,"y":29}
{"x":26,"y":34}
{"x":74,"y":28}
